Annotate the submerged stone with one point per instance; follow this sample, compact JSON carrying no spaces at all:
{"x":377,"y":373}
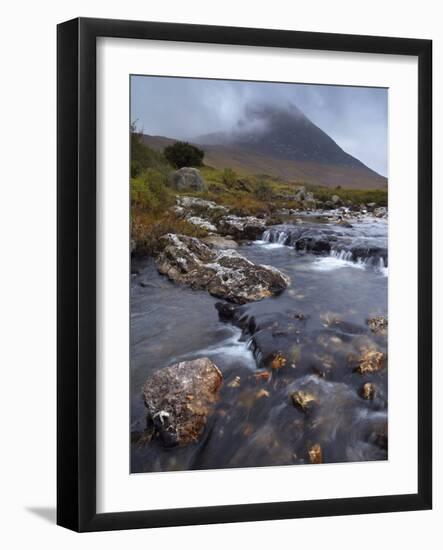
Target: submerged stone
{"x":180,"y":398}
{"x":367,"y":391}
{"x":304,"y":400}
{"x":315,"y":454}
{"x":371,"y":361}
{"x":378,"y":324}
{"x":246,"y":227}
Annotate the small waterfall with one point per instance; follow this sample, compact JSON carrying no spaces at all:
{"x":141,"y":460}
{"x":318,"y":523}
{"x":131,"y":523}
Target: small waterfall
{"x":266,"y":237}
{"x":275,"y":236}
{"x":345,"y":255}
{"x":374,"y":262}
{"x":339,"y":246}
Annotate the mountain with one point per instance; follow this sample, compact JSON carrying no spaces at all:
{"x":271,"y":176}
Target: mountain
{"x":283,"y":143}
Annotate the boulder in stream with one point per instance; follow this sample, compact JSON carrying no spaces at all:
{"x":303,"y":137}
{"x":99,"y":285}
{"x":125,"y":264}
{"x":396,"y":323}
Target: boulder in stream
{"x":223,"y":273}
{"x":245,"y":227}
{"x":180,"y":398}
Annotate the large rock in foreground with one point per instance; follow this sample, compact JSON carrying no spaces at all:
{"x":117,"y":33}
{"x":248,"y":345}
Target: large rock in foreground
{"x":187,"y":179}
{"x":180,"y":399}
{"x":223,"y":273}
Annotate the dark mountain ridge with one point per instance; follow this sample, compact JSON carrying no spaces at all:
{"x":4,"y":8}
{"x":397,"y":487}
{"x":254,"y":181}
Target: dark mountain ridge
{"x":283,"y":133}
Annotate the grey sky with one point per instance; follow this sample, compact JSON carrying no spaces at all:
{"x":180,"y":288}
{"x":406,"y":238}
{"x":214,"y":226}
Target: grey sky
{"x":183,"y":108}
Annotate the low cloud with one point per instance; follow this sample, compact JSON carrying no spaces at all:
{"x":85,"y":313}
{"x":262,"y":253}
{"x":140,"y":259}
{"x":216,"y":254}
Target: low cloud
{"x":184,"y":108}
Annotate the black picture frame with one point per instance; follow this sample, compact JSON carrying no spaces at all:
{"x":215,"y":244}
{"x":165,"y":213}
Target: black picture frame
{"x":76,"y":265}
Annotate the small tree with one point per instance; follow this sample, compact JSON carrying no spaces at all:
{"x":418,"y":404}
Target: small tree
{"x":182,"y":154}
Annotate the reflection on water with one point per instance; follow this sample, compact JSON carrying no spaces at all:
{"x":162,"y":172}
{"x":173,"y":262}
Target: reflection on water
{"x":250,"y":427}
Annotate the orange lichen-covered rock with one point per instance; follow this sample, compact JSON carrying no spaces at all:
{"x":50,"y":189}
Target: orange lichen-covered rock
{"x":315,"y":454}
{"x":304,"y":401}
{"x":367,"y":391}
{"x":371,"y":361}
{"x":180,"y":398}
{"x":278,"y":361}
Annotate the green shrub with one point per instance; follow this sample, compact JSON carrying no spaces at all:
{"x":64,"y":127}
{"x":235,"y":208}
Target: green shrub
{"x":182,"y":154}
{"x":150,"y":191}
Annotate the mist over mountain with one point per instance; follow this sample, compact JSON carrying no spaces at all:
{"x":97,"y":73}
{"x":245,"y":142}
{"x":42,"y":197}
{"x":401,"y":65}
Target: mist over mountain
{"x":284,"y":143}
{"x":283,"y":133}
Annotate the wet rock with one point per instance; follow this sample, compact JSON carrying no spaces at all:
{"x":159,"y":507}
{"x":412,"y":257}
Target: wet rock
{"x":216,"y":241}
{"x":278,"y":361}
{"x":344,"y":223}
{"x":341,"y":325}
{"x":338,"y":415}
{"x":180,"y":398}
{"x":380,"y":212}
{"x":226,"y":311}
{"x":380,"y":436}
{"x":223,"y":273}
{"x":262,"y":393}
{"x":367,"y":391}
{"x":371,"y":361}
{"x":274,"y":337}
{"x":315,"y":454}
{"x":262,"y":376}
{"x":369,"y":251}
{"x":146,"y":283}
{"x":187,"y":179}
{"x":247,"y":227}
{"x":316,"y":245}
{"x":235,"y":382}
{"x":305,"y":401}
{"x":378,"y":324}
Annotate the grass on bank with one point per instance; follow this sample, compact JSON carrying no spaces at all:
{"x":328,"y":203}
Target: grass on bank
{"x":152,"y":196}
{"x":356,"y":196}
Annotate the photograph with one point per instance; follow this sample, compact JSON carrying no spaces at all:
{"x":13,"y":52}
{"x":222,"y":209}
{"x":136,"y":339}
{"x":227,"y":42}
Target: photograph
{"x":259,"y":274}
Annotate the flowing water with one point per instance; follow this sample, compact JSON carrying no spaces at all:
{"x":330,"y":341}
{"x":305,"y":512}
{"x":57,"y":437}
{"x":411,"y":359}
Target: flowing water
{"x":338,"y":280}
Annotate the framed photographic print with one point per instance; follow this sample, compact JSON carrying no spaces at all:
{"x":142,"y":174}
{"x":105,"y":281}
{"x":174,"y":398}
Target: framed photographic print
{"x":244,"y":274}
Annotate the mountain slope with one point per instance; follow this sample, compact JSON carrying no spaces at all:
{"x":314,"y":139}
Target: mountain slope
{"x":286,"y":134}
{"x":284,"y":144}
{"x":297,"y":171}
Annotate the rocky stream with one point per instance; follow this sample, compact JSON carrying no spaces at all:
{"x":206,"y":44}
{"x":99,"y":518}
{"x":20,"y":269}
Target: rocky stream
{"x":261,"y":345}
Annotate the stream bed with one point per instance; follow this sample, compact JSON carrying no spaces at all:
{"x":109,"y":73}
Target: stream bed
{"x":318,"y":324}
